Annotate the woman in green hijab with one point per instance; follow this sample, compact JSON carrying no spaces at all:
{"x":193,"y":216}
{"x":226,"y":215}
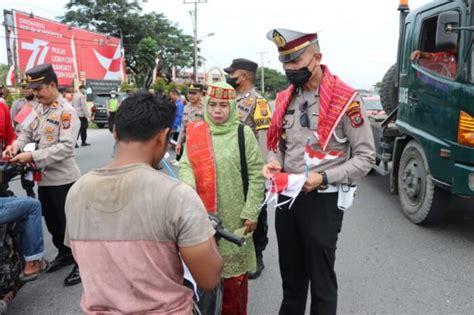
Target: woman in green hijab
{"x":211,"y":164}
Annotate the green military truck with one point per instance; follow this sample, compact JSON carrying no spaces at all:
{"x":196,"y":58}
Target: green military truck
{"x":426,"y":142}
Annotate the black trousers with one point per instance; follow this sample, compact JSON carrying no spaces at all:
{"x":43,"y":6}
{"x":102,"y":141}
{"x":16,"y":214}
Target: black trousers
{"x":83,"y":130}
{"x":111,"y":121}
{"x":260,"y":236}
{"x":53,"y":200}
{"x":307,"y":234}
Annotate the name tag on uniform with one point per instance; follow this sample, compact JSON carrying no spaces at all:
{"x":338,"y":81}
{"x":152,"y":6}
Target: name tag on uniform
{"x":54,"y":122}
{"x":290,"y":112}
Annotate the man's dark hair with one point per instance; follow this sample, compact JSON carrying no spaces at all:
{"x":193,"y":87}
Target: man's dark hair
{"x":142,"y":115}
{"x":82,"y":87}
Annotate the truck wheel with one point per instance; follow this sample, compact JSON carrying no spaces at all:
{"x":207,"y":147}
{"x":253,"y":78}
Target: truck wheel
{"x":101,"y":125}
{"x":422,"y":202}
{"x":388,"y":92}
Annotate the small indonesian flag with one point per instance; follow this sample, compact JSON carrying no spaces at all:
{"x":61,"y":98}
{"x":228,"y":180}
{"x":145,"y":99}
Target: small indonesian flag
{"x":315,"y":157}
{"x":279,"y":182}
{"x":285,"y":184}
{"x":26,"y":116}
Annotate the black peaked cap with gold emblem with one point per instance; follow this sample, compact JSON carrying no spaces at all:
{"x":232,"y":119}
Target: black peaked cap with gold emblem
{"x":197,"y":87}
{"x":41,"y":74}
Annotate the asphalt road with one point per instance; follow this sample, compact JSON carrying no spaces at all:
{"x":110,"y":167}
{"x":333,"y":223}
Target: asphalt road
{"x":385,"y":264}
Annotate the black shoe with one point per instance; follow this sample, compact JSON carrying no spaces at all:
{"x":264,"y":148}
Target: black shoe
{"x":73,"y":278}
{"x":85,"y":144}
{"x":77,"y":146}
{"x":60,"y":261}
{"x":258,"y":272}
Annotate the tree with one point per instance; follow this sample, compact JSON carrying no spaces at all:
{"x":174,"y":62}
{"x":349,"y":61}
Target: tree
{"x":378,"y":87}
{"x":274,"y":80}
{"x":3,"y":73}
{"x":125,"y":18}
{"x":145,"y":54}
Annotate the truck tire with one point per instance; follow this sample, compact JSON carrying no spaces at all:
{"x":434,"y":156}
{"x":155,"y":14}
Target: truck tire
{"x":101,"y":125}
{"x":422,"y":202}
{"x":388,"y":92}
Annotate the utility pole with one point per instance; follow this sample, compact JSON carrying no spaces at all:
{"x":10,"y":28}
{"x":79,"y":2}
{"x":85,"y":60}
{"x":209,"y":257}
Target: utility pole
{"x":261,"y":53}
{"x":194,"y":15}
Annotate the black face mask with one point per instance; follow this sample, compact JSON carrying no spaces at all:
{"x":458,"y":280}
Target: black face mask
{"x":301,"y":76}
{"x":30,"y":97}
{"x":233,"y":82}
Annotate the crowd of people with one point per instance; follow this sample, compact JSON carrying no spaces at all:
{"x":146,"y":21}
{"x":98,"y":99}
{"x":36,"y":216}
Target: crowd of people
{"x":131,"y":241}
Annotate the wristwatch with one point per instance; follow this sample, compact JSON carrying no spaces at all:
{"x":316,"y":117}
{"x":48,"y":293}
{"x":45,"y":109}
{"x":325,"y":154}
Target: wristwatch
{"x":324,"y":184}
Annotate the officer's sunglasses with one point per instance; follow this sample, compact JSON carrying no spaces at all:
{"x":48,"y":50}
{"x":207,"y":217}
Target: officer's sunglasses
{"x":304,"y":118}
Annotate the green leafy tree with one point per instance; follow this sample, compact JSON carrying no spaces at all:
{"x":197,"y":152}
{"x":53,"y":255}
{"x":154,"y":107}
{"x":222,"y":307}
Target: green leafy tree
{"x":125,"y":18}
{"x":3,"y":73}
{"x":274,"y":80}
{"x":124,"y":86}
{"x":159,"y":86}
{"x":378,"y":87}
{"x":146,"y":54}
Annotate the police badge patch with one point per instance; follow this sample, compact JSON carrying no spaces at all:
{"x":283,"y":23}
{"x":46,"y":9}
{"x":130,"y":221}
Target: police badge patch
{"x":66,"y":120}
{"x":355,"y":115}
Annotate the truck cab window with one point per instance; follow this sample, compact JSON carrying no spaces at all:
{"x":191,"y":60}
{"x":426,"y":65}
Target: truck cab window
{"x":441,"y":62}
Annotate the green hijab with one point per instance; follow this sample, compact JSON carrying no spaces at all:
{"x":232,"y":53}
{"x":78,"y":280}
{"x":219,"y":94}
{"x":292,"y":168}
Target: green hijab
{"x":222,"y":90}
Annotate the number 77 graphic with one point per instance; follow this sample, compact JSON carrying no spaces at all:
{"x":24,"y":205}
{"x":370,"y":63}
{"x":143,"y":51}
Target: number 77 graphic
{"x":39,"y":47}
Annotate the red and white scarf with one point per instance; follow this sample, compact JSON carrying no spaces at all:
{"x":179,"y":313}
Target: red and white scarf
{"x":335,"y":97}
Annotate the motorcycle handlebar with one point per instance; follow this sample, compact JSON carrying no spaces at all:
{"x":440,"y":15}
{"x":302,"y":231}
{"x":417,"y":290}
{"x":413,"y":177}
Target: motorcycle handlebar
{"x":5,"y":163}
{"x":224,"y":233}
{"x":229,"y":236}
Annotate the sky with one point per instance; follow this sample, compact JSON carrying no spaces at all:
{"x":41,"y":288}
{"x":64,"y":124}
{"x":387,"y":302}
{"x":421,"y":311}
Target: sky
{"x":358,"y":39}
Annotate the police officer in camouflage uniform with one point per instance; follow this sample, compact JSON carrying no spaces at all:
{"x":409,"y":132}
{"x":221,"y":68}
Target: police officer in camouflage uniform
{"x":318,"y":129}
{"x":255,"y":112}
{"x":54,"y":130}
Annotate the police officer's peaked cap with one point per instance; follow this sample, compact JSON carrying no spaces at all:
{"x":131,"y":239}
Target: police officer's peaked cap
{"x":195,"y":87}
{"x":24,"y":83}
{"x":242,"y":64}
{"x":41,"y":74}
{"x":291,"y":44}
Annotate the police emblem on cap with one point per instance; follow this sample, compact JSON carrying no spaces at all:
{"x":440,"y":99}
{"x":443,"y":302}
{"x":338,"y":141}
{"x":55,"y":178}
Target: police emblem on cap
{"x":278,"y":39}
